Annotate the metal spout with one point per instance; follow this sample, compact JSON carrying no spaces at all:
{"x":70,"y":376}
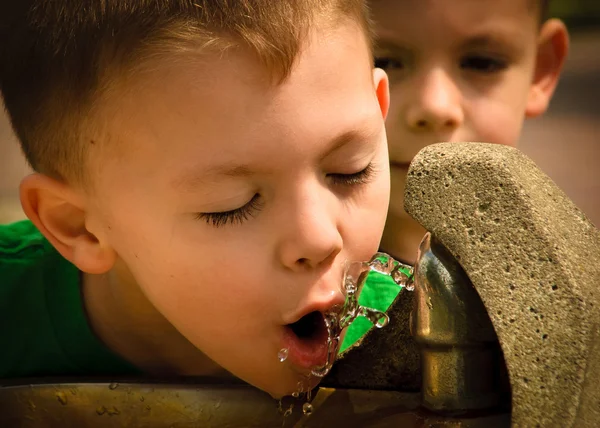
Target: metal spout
{"x":462,"y":362}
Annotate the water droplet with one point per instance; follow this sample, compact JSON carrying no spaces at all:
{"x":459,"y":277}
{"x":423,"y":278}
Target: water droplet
{"x":429,"y":303}
{"x":113,"y":386}
{"x":355,"y":275}
{"x":62,"y":398}
{"x":382,"y":263}
{"x":307,"y":408}
{"x":101,"y":410}
{"x":399,"y":277}
{"x":383,"y":321}
{"x":283,"y":354}
{"x":113,"y":411}
{"x":378,"y":318}
{"x":332,"y":349}
{"x":378,"y":266}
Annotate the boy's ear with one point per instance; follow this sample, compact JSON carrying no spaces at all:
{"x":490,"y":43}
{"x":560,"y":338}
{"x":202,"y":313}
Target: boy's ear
{"x":382,"y":90}
{"x":553,"y":47}
{"x":58,"y":211}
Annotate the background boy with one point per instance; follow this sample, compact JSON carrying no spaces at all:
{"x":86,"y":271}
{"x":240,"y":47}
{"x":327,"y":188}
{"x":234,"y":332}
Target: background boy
{"x":466,"y":70}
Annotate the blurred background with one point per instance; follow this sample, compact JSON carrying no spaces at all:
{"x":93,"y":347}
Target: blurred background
{"x":565,"y":142}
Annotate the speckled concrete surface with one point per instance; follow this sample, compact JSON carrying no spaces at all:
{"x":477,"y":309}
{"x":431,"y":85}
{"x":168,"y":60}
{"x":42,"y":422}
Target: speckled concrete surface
{"x":534,"y":258}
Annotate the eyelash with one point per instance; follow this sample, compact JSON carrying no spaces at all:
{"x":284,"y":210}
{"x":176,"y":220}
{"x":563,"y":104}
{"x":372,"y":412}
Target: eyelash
{"x":483,"y":64}
{"x":355,"y":179}
{"x":237,"y":216}
{"x":388,"y":64}
{"x":240,"y":215}
{"x":478,"y":63}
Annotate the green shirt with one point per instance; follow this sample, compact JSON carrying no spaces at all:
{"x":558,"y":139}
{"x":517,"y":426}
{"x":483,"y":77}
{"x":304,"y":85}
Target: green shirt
{"x":43,"y":327}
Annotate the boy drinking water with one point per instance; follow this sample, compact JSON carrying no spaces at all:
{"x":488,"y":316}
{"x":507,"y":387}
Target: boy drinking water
{"x":203,"y":171}
{"x":464,"y":70}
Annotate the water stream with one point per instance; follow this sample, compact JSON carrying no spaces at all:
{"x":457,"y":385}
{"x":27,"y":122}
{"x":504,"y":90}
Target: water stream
{"x":353,"y":281}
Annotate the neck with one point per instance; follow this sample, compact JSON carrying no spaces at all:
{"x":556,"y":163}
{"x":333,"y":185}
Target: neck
{"x":402,"y":242}
{"x":128,"y":324}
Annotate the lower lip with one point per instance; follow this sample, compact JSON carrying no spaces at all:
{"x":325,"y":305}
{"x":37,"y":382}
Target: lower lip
{"x":306,"y":353}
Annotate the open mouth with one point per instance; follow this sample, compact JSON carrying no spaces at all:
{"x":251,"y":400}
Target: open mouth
{"x":306,"y":340}
{"x":308,"y":327}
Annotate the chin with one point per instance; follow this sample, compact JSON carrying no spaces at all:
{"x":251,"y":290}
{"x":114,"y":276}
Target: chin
{"x":289,"y":386}
{"x":277,"y":386}
{"x":276,"y":395}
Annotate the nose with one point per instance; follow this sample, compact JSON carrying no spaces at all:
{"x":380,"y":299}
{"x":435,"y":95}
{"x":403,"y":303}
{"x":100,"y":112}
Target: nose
{"x":312,"y":238}
{"x":436,"y":104}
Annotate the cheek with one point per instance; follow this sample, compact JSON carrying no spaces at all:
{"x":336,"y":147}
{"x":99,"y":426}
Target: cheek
{"x":498,"y":123}
{"x":148,"y":241}
{"x":193,"y":282}
{"x":380,"y":197}
{"x":367,"y":218}
{"x":394,"y":124}
{"x":377,"y":195}
{"x":190,"y":275}
{"x":497,"y":117}
{"x":176,"y":252}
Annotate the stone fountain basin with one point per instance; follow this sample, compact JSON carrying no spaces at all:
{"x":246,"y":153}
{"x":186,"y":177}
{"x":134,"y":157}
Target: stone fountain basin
{"x":210,"y":404}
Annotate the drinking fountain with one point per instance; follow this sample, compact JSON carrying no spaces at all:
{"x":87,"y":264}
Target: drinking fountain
{"x":502,"y":329}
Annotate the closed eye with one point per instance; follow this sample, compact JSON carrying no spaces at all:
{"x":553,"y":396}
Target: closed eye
{"x":354,"y":179}
{"x":232,"y":217}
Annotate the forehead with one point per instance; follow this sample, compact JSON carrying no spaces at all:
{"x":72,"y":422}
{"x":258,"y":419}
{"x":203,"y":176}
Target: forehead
{"x":426,"y":19}
{"x":189,"y":113}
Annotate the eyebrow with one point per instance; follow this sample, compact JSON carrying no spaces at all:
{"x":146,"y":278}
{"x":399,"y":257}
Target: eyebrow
{"x":192,"y":180}
{"x":384,"y":44}
{"x":493,"y":38}
{"x":346,"y":138}
{"x":485,"y":40}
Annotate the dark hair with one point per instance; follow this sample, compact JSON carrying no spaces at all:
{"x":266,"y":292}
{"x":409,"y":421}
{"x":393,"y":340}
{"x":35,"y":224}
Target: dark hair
{"x":58,"y":57}
{"x":544,"y":10}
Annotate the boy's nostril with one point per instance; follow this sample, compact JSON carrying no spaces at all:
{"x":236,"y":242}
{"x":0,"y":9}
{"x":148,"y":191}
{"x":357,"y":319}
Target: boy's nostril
{"x":451,"y":123}
{"x":303,"y":261}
